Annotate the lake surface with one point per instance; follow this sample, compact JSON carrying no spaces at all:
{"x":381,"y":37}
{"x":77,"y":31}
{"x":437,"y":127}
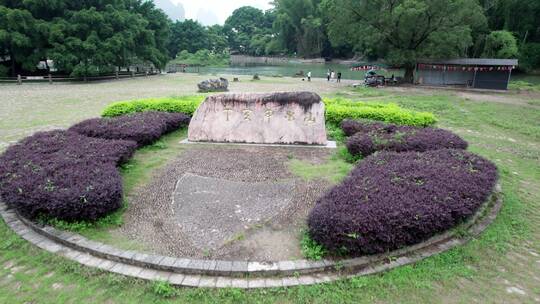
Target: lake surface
{"x":317,"y":71}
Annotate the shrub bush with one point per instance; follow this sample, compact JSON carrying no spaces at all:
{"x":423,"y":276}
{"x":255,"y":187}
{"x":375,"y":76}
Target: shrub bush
{"x":519,"y":85}
{"x":143,"y":128}
{"x":186,"y":105}
{"x":395,"y":199}
{"x":338,"y":110}
{"x":351,"y":127}
{"x":371,"y":137}
{"x":3,"y":71}
{"x":64,"y":175}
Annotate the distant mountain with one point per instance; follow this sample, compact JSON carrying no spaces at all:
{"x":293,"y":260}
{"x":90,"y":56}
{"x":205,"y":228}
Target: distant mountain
{"x":174,"y":11}
{"x":207,"y":17}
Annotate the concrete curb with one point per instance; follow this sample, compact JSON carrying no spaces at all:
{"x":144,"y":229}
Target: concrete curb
{"x":329,"y":144}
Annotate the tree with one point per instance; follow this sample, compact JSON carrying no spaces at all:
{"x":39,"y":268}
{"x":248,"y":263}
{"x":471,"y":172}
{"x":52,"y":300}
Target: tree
{"x":217,"y":40}
{"x":521,"y":19}
{"x":82,"y":37}
{"x":403,"y":31}
{"x":500,"y":44}
{"x":153,"y":41}
{"x":241,"y":26}
{"x":188,"y":35}
{"x":259,"y":44}
{"x":17,"y":36}
{"x":299,"y":26}
{"x":529,"y":56}
{"x":517,"y":16}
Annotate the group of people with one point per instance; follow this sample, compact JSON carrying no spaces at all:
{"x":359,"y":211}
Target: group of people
{"x":331,"y":75}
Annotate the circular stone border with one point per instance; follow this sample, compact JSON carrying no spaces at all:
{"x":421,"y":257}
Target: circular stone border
{"x":240,"y":274}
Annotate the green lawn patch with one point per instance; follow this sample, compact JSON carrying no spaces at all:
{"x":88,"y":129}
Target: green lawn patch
{"x":520,"y":85}
{"x":334,"y":170}
{"x":506,"y":134}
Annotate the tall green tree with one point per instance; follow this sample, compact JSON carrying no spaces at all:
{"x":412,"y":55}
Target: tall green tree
{"x":521,"y":18}
{"x":82,"y":37}
{"x":188,"y":35}
{"x":403,"y":31}
{"x":500,"y":44}
{"x":529,"y":56}
{"x":299,"y":26}
{"x":241,"y":27}
{"x":152,"y":43}
{"x":17,"y":37}
{"x":217,"y":39}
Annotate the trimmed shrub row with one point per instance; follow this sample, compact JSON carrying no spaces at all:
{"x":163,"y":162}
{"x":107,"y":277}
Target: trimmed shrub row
{"x":370,"y":137}
{"x":70,"y":176}
{"x":392,"y":200}
{"x":143,"y":128}
{"x":186,"y":104}
{"x":336,"y":110}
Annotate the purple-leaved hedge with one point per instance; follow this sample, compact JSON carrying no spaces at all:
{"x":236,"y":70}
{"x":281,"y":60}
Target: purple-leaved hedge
{"x":351,"y":127}
{"x":369,"y":137}
{"x":391,"y":200}
{"x":64,"y":175}
{"x":70,"y":176}
{"x":143,"y":128}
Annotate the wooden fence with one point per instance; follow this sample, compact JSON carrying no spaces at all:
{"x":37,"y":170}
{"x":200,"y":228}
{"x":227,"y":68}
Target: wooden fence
{"x":50,"y":78}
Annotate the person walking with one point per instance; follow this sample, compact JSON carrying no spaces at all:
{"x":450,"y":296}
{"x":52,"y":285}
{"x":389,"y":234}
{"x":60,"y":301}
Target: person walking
{"x":339,"y":77}
{"x":309,"y":76}
{"x":328,"y":75}
{"x":332,"y":75}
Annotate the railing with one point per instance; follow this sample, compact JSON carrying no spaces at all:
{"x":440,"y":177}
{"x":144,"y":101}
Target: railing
{"x":50,"y":78}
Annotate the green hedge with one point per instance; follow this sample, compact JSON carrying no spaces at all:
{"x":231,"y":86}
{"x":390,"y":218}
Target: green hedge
{"x":184,"y":104}
{"x":337,"y":109}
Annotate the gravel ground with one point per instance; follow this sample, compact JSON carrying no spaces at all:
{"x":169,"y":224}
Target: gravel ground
{"x":242,"y":183}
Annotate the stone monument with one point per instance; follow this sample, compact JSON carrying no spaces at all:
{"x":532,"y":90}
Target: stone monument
{"x":275,"y":118}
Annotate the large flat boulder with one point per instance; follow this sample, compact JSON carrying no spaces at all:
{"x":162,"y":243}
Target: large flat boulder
{"x":276,"y":118}
{"x":214,"y":85}
{"x":212,"y":211}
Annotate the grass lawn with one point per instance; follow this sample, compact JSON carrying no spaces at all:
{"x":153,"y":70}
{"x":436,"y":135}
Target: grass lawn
{"x":502,"y":266}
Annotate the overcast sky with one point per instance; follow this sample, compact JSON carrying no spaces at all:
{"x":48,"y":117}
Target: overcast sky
{"x":220,"y":8}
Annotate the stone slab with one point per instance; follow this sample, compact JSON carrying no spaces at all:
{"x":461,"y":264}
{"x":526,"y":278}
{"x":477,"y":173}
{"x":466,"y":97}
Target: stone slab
{"x":214,"y":211}
{"x":275,"y":118}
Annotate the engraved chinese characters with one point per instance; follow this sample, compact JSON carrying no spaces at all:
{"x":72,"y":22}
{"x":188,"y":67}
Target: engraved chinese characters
{"x":278,"y":118}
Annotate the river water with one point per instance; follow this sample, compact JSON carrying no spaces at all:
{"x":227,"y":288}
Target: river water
{"x":317,"y":70}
